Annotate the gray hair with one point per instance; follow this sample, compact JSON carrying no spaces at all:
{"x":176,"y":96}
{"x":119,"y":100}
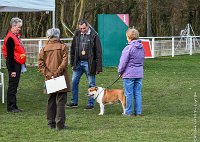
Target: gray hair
{"x":82,"y":21}
{"x":14,"y":21}
{"x":53,"y":32}
{"x":132,"y":33}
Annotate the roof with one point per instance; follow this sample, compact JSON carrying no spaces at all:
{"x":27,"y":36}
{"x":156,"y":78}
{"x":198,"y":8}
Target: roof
{"x":27,"y":5}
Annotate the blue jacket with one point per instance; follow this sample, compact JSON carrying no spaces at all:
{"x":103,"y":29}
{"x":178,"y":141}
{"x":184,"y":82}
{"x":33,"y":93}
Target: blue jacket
{"x":132,"y":60}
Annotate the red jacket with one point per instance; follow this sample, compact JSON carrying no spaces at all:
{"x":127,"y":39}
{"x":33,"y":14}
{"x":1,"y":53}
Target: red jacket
{"x":19,"y":51}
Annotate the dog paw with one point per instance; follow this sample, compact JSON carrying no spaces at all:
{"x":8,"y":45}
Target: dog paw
{"x":100,"y":113}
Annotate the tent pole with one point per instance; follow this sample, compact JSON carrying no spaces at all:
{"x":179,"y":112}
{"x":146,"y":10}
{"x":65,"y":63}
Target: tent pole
{"x":53,"y":19}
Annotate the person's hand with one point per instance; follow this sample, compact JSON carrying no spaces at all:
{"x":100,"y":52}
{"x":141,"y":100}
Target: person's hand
{"x":13,"y":74}
{"x":22,"y":56}
{"x":49,"y":76}
{"x":55,"y":75}
{"x":120,"y":75}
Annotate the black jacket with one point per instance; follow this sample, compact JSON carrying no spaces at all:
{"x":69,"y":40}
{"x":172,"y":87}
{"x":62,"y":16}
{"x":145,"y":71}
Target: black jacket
{"x":94,"y":53}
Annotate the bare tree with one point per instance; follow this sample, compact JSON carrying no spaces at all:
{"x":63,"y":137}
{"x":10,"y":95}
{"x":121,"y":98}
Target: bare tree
{"x":77,"y":12}
{"x":169,"y":17}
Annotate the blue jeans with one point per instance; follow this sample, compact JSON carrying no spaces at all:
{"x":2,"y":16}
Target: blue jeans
{"x":133,"y":90}
{"x":82,"y":67}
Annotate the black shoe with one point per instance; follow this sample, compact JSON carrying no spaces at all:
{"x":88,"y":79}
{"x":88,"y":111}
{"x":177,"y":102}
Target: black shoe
{"x":89,"y":108}
{"x":72,"y":105}
{"x":52,"y":126}
{"x":15,"y":110}
{"x":62,"y":128}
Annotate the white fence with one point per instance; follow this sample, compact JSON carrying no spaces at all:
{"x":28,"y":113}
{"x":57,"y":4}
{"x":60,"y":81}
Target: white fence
{"x":171,"y":46}
{"x":160,"y":46}
{"x":32,"y":47}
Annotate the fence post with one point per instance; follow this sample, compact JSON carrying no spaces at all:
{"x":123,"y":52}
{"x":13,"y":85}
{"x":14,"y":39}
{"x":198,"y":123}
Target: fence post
{"x":190,"y":45}
{"x":194,"y":45}
{"x":39,"y":45}
{"x":172,"y":46}
{"x":152,"y":50}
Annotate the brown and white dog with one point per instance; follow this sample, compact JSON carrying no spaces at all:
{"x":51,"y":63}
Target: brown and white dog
{"x":104,"y":96}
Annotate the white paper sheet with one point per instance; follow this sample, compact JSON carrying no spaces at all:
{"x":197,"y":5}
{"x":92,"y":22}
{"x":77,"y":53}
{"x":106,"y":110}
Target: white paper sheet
{"x":55,"y":84}
{"x":23,"y":68}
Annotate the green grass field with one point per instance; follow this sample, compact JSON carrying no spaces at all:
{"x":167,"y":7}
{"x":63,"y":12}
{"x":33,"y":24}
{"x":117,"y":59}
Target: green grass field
{"x":169,"y":87}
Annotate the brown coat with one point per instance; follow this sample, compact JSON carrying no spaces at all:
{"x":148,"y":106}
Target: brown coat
{"x":53,"y":61}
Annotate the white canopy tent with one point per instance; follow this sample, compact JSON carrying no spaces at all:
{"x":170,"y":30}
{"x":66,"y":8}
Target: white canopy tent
{"x":28,"y":6}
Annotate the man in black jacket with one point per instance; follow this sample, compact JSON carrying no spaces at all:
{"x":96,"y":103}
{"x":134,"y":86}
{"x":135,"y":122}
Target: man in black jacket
{"x":86,"y":57}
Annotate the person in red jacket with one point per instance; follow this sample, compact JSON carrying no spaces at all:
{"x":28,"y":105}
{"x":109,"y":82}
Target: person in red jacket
{"x":14,"y":53}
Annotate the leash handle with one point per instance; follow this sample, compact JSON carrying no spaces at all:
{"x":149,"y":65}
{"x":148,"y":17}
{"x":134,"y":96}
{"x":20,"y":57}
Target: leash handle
{"x":114,"y":81}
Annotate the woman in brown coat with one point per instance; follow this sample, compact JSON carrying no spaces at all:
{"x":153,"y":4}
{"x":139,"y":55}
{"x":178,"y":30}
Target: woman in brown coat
{"x":52,"y":62}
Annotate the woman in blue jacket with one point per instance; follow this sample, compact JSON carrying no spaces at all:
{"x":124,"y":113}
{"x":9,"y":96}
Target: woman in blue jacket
{"x":131,"y":70}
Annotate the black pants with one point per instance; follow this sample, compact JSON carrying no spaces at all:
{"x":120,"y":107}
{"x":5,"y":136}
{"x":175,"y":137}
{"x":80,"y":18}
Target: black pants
{"x":12,"y":88}
{"x":56,"y":109}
